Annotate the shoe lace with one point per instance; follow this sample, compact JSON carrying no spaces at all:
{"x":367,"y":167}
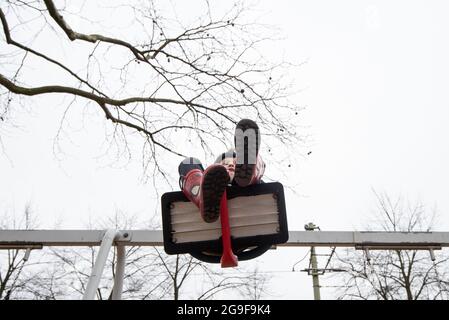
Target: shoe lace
{"x":181,"y":180}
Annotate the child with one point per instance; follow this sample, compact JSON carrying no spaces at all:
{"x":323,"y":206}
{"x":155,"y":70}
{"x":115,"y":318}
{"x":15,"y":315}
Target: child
{"x":241,"y":166}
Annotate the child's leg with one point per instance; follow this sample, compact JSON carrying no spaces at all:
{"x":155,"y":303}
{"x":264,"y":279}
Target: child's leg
{"x":190,"y":177}
{"x":259,"y":171}
{"x":203,"y":188}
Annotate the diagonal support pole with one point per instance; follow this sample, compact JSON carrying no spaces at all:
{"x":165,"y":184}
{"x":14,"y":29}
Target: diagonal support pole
{"x":100,"y":262}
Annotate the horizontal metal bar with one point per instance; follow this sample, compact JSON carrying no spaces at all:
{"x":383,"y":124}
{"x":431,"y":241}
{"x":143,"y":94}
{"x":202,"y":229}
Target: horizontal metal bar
{"x":26,"y":238}
{"x":13,"y":247}
{"x":367,"y":239}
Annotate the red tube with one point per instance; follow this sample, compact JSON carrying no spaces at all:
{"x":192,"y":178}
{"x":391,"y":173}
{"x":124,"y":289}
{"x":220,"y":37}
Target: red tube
{"x":228,"y":258}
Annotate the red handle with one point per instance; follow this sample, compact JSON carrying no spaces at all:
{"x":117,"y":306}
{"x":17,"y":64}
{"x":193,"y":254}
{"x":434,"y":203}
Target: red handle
{"x":228,"y":258}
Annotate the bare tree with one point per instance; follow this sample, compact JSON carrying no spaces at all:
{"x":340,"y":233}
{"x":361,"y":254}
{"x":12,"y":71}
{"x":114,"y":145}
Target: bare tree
{"x":15,"y":269}
{"x":186,"y":272}
{"x":170,"y":81}
{"x":249,"y":284}
{"x":165,"y":83}
{"x":70,"y":268}
{"x":395,"y":274}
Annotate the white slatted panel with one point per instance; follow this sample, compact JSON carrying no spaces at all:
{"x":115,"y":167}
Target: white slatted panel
{"x":248,"y":216}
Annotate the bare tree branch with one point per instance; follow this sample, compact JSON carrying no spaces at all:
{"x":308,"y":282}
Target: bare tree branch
{"x":395,"y":274}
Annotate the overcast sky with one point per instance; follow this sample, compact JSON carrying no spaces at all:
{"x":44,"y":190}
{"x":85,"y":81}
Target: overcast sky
{"x":374,"y":85}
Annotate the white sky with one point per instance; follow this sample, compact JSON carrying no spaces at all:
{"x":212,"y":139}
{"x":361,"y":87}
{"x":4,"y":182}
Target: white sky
{"x":375,"y":89}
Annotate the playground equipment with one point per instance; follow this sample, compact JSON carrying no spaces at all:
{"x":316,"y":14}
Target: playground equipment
{"x":36,"y":239}
{"x":252,"y":220}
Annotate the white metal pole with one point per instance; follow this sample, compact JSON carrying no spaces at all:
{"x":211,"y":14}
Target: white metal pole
{"x":100,"y":262}
{"x":119,"y":273}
